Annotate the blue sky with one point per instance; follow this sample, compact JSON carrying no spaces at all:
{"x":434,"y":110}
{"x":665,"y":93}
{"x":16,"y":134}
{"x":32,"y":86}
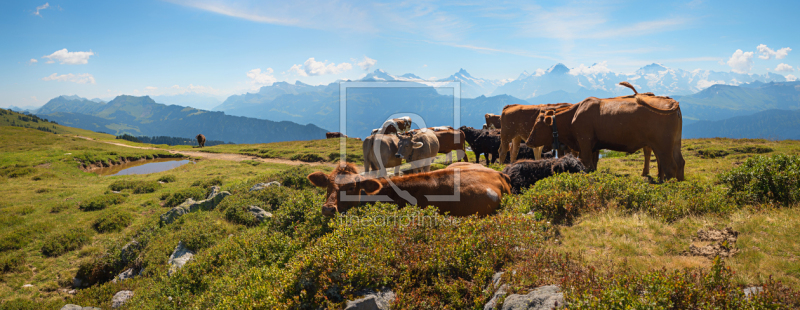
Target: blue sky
{"x":106,"y":48}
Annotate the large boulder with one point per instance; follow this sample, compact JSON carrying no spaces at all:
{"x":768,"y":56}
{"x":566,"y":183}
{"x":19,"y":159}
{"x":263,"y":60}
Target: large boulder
{"x":372,"y":301}
{"x":541,"y":298}
{"x":179,"y":257}
{"x":261,"y":186}
{"x":499,"y":291}
{"x":120,"y":298}
{"x":259,"y":213}
{"x":190,"y":205}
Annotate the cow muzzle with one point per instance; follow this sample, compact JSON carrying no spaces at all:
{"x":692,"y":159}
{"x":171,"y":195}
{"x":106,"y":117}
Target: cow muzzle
{"x":398,"y":155}
{"x":328,"y":211}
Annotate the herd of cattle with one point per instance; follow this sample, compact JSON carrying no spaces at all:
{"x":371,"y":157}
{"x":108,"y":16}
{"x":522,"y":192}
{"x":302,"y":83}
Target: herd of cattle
{"x":574,"y":132}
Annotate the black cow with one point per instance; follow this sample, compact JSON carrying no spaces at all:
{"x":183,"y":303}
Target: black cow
{"x":525,"y":173}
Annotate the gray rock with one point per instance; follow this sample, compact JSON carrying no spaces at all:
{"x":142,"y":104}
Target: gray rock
{"x":261,"y":186}
{"x":129,"y":252}
{"x":259,"y":213}
{"x":190,"y":205}
{"x":127,"y":274}
{"x":27,"y":285}
{"x":544,"y":297}
{"x":748,"y":292}
{"x":91,"y":308}
{"x":497,"y":284}
{"x":372,"y":301}
{"x":71,"y":307}
{"x":215,"y":190}
{"x":179,"y":257}
{"x":120,"y":298}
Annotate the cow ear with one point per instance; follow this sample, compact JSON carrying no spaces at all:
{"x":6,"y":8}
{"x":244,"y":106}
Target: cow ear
{"x":550,"y":112}
{"x":417,"y":145}
{"x":548,"y":120}
{"x":371,"y":186}
{"x":319,"y":179}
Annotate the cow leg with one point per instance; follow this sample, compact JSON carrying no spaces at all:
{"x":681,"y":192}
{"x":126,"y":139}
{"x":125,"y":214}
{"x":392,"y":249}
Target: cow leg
{"x":449,"y":157}
{"x":505,"y":139}
{"x":514,"y":150}
{"x":646,"y":170}
{"x":587,"y":156}
{"x":537,"y":152}
{"x":680,"y":162}
{"x":666,"y":163}
{"x":397,"y":171}
{"x":367,"y":167}
{"x":596,"y":158}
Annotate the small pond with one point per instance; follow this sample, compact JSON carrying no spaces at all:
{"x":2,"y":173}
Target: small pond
{"x":143,"y":166}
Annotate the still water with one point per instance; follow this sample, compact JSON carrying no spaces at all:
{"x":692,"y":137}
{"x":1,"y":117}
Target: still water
{"x":143,"y":166}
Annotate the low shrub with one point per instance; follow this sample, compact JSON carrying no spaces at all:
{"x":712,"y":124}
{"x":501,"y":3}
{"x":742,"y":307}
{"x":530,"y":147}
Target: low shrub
{"x":11,"y":262}
{"x":200,"y":230}
{"x":758,"y":149}
{"x":240,"y":213}
{"x":167,"y":178}
{"x":308,"y":157}
{"x":208,"y":182}
{"x":42,"y":190}
{"x":16,"y":171}
{"x":564,"y":197}
{"x":112,"y":222}
{"x":712,"y":152}
{"x":762,"y":179}
{"x":66,"y":241}
{"x":101,"y":202}
{"x":61,"y":206}
{"x":97,"y":269}
{"x":295,"y":177}
{"x":137,"y":187}
{"x":178,"y":197}
{"x":13,"y":241}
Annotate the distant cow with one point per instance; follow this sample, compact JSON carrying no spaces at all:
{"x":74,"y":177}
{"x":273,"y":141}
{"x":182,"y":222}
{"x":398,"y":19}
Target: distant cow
{"x":201,"y":140}
{"x":419,"y":149}
{"x":525,"y":173}
{"x":517,"y":121}
{"x":624,"y":124}
{"x":395,"y":125}
{"x":480,"y":190}
{"x":379,"y":154}
{"x":492,"y":121}
{"x":331,"y":135}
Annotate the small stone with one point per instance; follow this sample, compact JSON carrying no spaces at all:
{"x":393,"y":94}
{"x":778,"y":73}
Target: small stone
{"x":116,"y":192}
{"x":259,"y":213}
{"x":27,"y":285}
{"x":120,"y":298}
{"x":71,"y":307}
{"x":127,"y":274}
{"x":261,"y":186}
{"x":72,"y":292}
{"x":753,"y":290}
{"x":544,"y":297}
{"x":179,"y":257}
{"x":371,"y":301}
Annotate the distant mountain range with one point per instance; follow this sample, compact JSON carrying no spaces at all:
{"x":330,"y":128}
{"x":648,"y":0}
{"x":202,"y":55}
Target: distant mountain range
{"x":141,"y":116}
{"x":770,"y":124}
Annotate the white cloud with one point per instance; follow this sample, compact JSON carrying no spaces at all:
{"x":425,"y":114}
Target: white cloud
{"x":69,"y":58}
{"x":84,"y":78}
{"x":312,"y":68}
{"x":366,"y":63}
{"x":41,"y":7}
{"x":741,"y":62}
{"x":539,"y":72}
{"x":33,"y":61}
{"x":791,"y":78}
{"x":767,"y":53}
{"x":150,"y":88}
{"x":597,"y":68}
{"x":784,"y":68}
{"x":424,"y":66}
{"x":258,"y":78}
{"x":703,"y":84}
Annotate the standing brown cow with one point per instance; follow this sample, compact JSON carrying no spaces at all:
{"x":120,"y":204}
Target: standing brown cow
{"x":201,"y":140}
{"x":623,"y":124}
{"x":450,"y":140}
{"x":480,"y":190}
{"x":493,"y":120}
{"x":517,"y":121}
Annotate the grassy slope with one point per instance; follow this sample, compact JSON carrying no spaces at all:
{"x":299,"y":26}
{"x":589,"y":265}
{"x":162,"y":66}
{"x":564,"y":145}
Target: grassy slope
{"x":639,"y":242}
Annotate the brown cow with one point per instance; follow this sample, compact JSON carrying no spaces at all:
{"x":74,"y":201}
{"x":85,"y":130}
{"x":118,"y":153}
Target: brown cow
{"x":479,"y":190}
{"x":379,"y":151}
{"x":418,"y":148}
{"x":201,"y":140}
{"x":331,"y":135}
{"x":450,"y":140}
{"x":625,"y":124}
{"x":517,"y":122}
{"x":493,"y":120}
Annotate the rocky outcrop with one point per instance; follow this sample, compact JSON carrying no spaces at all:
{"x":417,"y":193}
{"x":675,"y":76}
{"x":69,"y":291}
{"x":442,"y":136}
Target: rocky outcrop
{"x":541,"y":298}
{"x":120,"y":298}
{"x":129,"y":252}
{"x":380,"y":300}
{"x":76,"y":307}
{"x":127,"y":274}
{"x":191,"y":205}
{"x":261,"y":186}
{"x":179,"y":257}
{"x":259,"y":213}
{"x":500,"y":291}
{"x":753,"y":290}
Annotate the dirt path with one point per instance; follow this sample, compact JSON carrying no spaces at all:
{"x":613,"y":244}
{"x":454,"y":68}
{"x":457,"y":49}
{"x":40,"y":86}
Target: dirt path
{"x":220,"y":156}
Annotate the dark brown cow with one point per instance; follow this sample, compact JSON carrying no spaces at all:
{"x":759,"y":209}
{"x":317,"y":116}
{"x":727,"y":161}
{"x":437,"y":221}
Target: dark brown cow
{"x":517,"y":122}
{"x":624,"y":124}
{"x":480,"y":190}
{"x":331,"y":135}
{"x":493,"y":120}
{"x":201,"y":140}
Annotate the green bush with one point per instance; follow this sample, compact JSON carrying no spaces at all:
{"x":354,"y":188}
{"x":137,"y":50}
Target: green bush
{"x":307,"y":157}
{"x":13,"y":241}
{"x":200,"y":230}
{"x":64,"y":242}
{"x":295,"y":177}
{"x":564,"y":197}
{"x":11,"y":262}
{"x":762,"y":179}
{"x":97,"y":269}
{"x":180,"y":196}
{"x":712,"y":152}
{"x":208,"y":182}
{"x":112,"y":222}
{"x":137,"y":187}
{"x":167,"y":178}
{"x":758,"y":149}
{"x":240,"y":214}
{"x":61,"y":206}
{"x":101,"y":202}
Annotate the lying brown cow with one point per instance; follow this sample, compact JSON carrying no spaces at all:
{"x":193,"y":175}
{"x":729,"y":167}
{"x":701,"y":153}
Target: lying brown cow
{"x":395,"y":125}
{"x":480,"y":190}
{"x":493,"y":120}
{"x":331,"y":135}
{"x":517,"y":122}
{"x":623,"y":124}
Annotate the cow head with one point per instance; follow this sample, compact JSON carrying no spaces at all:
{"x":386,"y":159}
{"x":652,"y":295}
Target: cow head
{"x":406,"y":145}
{"x":344,"y":180}
{"x":542,"y":132}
